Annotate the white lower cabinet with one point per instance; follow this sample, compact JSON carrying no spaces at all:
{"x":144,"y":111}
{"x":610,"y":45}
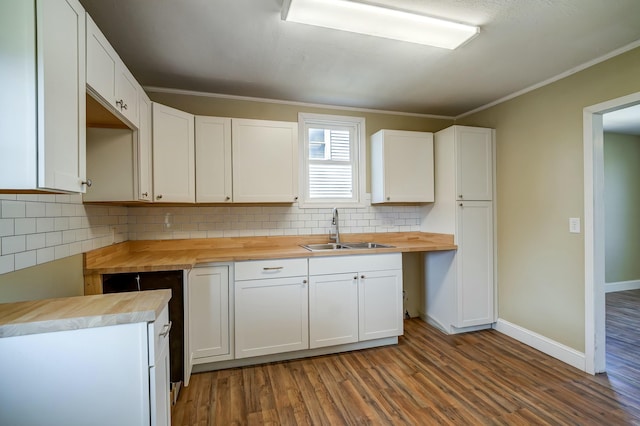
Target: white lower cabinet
{"x":333,"y":309}
{"x":263,"y":308}
{"x":271,"y":307}
{"x":209,"y":319}
{"x":380,"y":303}
{"x":160,"y":370}
{"x":372,"y":284}
{"x":110,"y":375}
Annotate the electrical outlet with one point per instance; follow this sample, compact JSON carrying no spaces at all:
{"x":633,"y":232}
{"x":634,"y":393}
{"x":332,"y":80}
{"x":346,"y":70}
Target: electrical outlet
{"x":574,"y":225}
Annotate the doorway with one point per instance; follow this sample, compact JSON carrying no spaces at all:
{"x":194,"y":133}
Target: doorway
{"x":594,"y":242}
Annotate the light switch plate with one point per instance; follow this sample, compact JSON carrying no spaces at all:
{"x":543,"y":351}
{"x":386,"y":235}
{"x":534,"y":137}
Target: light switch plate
{"x":574,"y":225}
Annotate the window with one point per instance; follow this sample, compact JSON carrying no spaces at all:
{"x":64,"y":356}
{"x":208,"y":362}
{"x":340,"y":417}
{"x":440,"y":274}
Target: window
{"x":332,"y":160}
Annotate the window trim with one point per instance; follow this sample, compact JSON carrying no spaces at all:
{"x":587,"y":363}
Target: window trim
{"x":358,"y":161}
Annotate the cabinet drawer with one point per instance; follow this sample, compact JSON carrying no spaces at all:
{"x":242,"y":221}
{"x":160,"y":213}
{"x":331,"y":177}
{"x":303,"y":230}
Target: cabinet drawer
{"x":159,"y":332}
{"x":272,"y":268}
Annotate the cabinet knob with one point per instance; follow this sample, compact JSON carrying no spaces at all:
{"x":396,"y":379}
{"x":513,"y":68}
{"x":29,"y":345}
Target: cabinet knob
{"x":121,"y":104}
{"x":87,"y":182}
{"x":461,"y":205}
{"x":227,"y":198}
{"x":355,"y":277}
{"x":362,"y":276}
{"x":159,"y":197}
{"x":460,"y":196}
{"x":304,"y":281}
{"x":388,"y":198}
{"x":295,"y":198}
{"x":145,"y":194}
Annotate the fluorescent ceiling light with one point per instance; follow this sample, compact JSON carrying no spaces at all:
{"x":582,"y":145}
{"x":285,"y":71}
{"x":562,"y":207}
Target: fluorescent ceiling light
{"x":378,"y":21}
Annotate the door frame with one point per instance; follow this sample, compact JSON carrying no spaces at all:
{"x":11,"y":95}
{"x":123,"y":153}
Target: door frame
{"x":594,"y":232}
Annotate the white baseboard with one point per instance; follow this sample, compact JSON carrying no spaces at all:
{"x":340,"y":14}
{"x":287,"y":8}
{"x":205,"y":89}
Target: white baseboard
{"x":543,"y":344}
{"x":622,"y":286}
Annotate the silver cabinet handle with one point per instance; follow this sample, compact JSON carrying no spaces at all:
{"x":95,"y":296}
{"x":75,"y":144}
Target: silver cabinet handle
{"x":121,"y":104}
{"x":272,"y":268}
{"x":87,"y":182}
{"x":166,"y":329}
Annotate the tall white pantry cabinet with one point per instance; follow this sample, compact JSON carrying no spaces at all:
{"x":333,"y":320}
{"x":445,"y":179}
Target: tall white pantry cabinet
{"x":460,"y":288}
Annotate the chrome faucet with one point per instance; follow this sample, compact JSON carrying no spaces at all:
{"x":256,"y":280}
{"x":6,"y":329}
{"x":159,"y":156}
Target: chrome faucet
{"x":335,"y":222}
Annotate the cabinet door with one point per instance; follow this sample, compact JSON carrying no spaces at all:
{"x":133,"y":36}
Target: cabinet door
{"x":102,"y":62}
{"x":144,"y":148}
{"x":159,"y":375}
{"x":271,"y":316}
{"x":127,"y":94}
{"x":161,"y":399}
{"x":333,"y":309}
{"x":61,"y":95}
{"x":402,"y":167}
{"x":474,"y":150}
{"x":213,"y":159}
{"x":173,"y":155}
{"x":208,"y":312}
{"x":380,"y":304}
{"x":265,"y":161}
{"x":475,"y":288}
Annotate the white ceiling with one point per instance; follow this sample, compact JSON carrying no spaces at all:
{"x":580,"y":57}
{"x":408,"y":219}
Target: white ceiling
{"x":243,"y":48}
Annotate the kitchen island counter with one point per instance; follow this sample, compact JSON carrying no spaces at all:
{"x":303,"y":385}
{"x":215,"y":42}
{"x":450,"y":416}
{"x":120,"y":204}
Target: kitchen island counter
{"x":72,"y":313}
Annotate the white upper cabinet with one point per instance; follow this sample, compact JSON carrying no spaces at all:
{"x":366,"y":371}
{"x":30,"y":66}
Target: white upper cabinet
{"x":474,"y":162}
{"x":402,"y":167}
{"x":144,"y":160}
{"x":213,"y":160}
{"x":42,"y":81}
{"x":173,"y":155}
{"x":108,"y":77}
{"x":265,"y":161}
{"x":113,"y":146}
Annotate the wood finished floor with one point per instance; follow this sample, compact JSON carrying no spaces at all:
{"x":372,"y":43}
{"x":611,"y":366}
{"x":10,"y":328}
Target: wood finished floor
{"x":482,"y":378}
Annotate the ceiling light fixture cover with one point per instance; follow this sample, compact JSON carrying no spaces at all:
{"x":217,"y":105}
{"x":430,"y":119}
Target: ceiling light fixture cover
{"x":378,"y":21}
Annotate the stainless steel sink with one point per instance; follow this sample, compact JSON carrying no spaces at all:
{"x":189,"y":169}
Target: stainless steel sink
{"x":344,"y":246}
{"x":366,"y":245}
{"x":325,"y":247}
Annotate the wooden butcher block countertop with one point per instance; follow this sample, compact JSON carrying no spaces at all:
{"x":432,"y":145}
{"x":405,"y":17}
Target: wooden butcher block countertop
{"x":162,"y":255}
{"x":72,"y":313}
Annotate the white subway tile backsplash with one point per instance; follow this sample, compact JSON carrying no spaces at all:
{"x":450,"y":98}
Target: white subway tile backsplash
{"x":25,"y":226}
{"x":14,"y":244}
{"x":25,"y":259}
{"x":45,"y":224}
{"x":36,"y":209}
{"x":38,"y":228}
{"x":7,"y":227}
{"x":13,"y":209}
{"x":7,"y":264}
{"x":45,"y":255}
